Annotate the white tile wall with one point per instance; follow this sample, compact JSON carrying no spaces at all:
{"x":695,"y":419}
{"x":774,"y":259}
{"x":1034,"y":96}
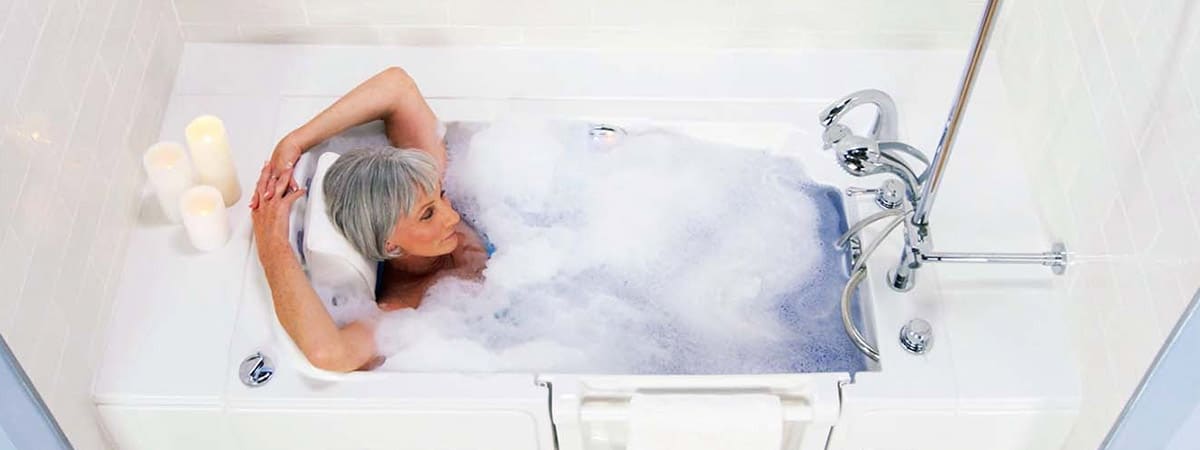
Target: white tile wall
{"x":83,"y":87}
{"x":589,"y":23}
{"x":1104,"y":101}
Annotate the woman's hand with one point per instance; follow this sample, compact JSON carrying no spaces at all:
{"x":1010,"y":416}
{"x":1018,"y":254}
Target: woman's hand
{"x":271,"y":205}
{"x":286,"y":155}
{"x":390,"y":95}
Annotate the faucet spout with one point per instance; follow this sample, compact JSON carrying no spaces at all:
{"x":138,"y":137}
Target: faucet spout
{"x":885,"y":127}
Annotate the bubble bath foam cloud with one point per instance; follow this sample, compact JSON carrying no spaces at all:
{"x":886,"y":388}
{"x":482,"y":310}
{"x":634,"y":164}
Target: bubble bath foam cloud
{"x":661,"y":254}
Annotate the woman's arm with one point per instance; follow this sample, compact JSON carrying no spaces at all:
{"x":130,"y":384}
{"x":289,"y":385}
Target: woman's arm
{"x":410,"y":122}
{"x":299,"y":309}
{"x":391,"y":96}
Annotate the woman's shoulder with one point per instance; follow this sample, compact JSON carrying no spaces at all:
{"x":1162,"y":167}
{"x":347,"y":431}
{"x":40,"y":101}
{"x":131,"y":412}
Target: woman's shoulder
{"x":469,"y":240}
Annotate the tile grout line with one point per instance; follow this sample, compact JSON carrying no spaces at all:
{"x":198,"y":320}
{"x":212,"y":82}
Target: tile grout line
{"x":178,"y":21}
{"x":12,"y":7}
{"x":29,"y":66}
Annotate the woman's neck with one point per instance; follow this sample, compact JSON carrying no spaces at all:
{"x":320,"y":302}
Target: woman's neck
{"x":419,"y":265}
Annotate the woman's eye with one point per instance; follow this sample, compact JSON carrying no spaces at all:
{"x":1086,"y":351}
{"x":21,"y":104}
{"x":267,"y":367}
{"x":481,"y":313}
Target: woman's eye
{"x":443,"y":193}
{"x":428,"y":214}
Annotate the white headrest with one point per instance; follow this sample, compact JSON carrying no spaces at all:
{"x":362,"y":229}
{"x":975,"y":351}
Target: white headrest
{"x":342,"y":277}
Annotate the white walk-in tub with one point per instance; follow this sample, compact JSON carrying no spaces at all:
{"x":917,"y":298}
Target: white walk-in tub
{"x":1000,"y":374}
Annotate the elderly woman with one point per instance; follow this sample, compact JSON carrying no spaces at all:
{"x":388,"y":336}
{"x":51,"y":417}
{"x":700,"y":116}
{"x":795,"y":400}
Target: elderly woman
{"x":387,"y":202}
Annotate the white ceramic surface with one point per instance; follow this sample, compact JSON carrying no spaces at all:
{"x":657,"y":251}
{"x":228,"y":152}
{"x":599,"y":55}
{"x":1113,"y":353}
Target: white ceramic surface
{"x":1002,"y":366}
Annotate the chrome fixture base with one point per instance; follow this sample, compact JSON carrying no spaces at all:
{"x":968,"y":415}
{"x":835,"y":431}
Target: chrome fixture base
{"x":916,"y":336}
{"x":256,"y":370}
{"x":1059,"y":265}
{"x":900,"y":283}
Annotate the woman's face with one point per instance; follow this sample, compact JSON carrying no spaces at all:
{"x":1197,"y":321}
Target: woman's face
{"x":429,"y":229}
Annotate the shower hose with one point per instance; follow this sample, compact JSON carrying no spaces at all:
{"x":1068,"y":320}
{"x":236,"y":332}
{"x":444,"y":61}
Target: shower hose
{"x":851,"y":330}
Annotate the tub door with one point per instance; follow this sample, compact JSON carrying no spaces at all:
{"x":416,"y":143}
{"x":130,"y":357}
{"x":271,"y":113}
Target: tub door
{"x":392,"y":411}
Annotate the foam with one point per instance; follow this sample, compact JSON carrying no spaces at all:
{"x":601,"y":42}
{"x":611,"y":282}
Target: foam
{"x":661,"y":254}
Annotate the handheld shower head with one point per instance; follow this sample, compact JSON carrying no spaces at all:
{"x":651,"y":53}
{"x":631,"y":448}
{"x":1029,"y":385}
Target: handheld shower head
{"x":834,"y":133}
{"x":884,"y":128}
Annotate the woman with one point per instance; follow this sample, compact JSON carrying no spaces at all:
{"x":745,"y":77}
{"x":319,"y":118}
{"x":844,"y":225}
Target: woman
{"x":389,"y":204}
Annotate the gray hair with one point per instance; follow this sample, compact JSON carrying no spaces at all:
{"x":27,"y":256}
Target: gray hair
{"x":367,"y":190}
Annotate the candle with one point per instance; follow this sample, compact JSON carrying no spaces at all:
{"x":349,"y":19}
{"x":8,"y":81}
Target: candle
{"x":170,"y":173}
{"x":210,"y":152}
{"x":204,"y":217}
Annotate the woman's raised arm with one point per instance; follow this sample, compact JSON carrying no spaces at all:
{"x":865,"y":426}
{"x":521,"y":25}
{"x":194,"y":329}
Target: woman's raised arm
{"x":391,"y":96}
{"x":297,"y":305}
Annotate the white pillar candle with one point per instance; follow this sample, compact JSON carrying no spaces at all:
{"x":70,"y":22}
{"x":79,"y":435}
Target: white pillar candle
{"x":170,"y":174}
{"x":210,"y":152}
{"x":204,"y":217}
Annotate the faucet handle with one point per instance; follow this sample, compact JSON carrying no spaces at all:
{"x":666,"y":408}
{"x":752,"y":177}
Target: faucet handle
{"x":853,"y":191}
{"x":890,"y":195}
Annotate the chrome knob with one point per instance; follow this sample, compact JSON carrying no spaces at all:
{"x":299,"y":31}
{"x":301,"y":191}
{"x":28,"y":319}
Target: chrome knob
{"x":916,"y":336}
{"x":256,"y":370}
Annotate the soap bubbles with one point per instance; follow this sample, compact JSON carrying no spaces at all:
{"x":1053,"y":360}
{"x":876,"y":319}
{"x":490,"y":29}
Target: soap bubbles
{"x":659,"y":254}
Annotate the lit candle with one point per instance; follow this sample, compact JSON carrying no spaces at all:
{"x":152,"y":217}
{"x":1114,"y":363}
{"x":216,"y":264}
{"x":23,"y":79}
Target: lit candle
{"x":210,"y":152}
{"x":170,"y":173}
{"x":204,"y":217}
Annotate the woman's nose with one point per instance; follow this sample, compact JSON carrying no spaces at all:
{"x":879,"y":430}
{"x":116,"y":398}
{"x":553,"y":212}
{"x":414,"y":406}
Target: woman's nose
{"x":454,"y":217}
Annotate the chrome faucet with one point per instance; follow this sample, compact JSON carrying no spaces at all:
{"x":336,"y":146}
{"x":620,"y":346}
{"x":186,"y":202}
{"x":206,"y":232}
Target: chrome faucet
{"x":882,"y":152}
{"x":884,"y":128}
{"x":863,"y":156}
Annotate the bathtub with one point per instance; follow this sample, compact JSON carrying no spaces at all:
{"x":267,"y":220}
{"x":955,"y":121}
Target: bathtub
{"x":1000,"y":375}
